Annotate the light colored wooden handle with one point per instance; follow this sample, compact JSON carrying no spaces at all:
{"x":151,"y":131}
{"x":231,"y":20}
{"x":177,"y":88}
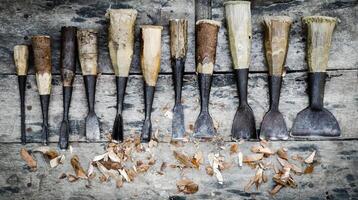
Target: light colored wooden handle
{"x":151,"y":53}
{"x":277,"y":31}
{"x":87,"y":51}
{"x":206,"y":41}
{"x":178,"y":38}
{"x":41,"y":45}
{"x":121,"y":39}
{"x":238,"y":19}
{"x":21,"y":57}
{"x":320,"y":30}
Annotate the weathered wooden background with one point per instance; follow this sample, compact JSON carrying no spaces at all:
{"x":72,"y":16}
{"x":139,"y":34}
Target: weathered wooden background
{"x":20,"y":20}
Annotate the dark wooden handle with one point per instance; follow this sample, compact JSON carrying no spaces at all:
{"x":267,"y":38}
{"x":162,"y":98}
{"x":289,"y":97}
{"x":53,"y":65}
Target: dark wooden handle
{"x":68,"y":54}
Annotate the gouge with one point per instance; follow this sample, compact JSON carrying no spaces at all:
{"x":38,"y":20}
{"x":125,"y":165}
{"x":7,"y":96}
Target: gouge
{"x":277,"y":31}
{"x":41,"y":45}
{"x":315,"y":120}
{"x":21,"y":57}
{"x":88,"y":55}
{"x":178,"y":50}
{"x":68,"y":72}
{"x":120,"y":43}
{"x":150,"y":64}
{"x":206,"y":41}
{"x":238,"y":19}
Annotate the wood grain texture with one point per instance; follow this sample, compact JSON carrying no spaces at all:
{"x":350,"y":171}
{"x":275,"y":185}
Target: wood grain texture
{"x":21,"y":59}
{"x":121,"y":39}
{"x":341,"y":98}
{"x":334,"y":176}
{"x":25,"y":18}
{"x":238,"y":21}
{"x":277,"y":31}
{"x":178,"y":38}
{"x":41,"y":45}
{"x":88,"y":51}
{"x":319,"y":38}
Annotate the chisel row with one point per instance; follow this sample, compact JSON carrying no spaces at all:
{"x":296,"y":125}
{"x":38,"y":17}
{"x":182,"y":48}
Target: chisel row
{"x":82,"y":44}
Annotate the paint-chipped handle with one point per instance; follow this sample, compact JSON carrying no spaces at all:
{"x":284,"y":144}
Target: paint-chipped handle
{"x":68,"y":54}
{"x":320,"y":30}
{"x":151,"y":53}
{"x":87,"y":50}
{"x":206,"y":41}
{"x":178,"y":38}
{"x":277,"y":31}
{"x":21,"y":57}
{"x":41,"y":45}
{"x":121,"y":39}
{"x":238,"y":20}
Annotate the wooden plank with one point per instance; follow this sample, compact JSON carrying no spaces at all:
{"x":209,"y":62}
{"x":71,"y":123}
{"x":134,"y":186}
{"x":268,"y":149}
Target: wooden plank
{"x":22,"y":19}
{"x":334,"y":177}
{"x":341,"y":98}
{"x":202,"y":9}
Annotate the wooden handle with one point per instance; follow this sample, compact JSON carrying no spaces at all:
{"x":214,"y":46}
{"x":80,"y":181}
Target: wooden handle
{"x":21,"y":56}
{"x":121,"y":39}
{"x":320,"y":30}
{"x":68,"y":54}
{"x":178,"y":38}
{"x":150,"y":53}
{"x":87,"y":51}
{"x":206,"y":41}
{"x":277,"y":31}
{"x":41,"y":45}
{"x":238,"y":19}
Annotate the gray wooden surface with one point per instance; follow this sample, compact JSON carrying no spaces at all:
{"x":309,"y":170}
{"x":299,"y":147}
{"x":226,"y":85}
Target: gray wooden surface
{"x":334,"y":178}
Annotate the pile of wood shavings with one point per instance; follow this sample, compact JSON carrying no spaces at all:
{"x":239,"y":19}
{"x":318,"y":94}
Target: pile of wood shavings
{"x":119,"y":163}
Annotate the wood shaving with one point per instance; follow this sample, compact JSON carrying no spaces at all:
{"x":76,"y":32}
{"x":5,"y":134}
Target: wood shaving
{"x":119,"y":182}
{"x":30,"y":161}
{"x":197,"y":159}
{"x":124,"y":174}
{"x":56,"y":161}
{"x":77,"y":167}
{"x":234,"y":148}
{"x":214,"y":163}
{"x":240,"y":156}
{"x":71,"y":178}
{"x":253,"y":158}
{"x":187,"y":186}
{"x":282,"y":153}
{"x":209,"y":170}
{"x":183,"y":159}
{"x":152,"y":143}
{"x":276,"y":189}
{"x":261,"y":149}
{"x":309,"y":169}
{"x":310,"y":158}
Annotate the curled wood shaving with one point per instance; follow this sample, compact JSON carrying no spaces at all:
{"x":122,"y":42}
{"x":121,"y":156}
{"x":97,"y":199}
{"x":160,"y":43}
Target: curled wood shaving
{"x":183,"y":159}
{"x":124,"y":174}
{"x":253,"y":158}
{"x":31,"y":162}
{"x":209,"y":170}
{"x":197,"y":159}
{"x":114,"y":157}
{"x":51,"y":154}
{"x":77,"y":167}
{"x":187,"y":186}
{"x":261,"y":149}
{"x":56,"y":161}
{"x":101,"y":157}
{"x":234,"y":148}
{"x":309,"y":169}
{"x":285,"y":163}
{"x":264,"y":143}
{"x":310,"y":158}
{"x":282,"y":153}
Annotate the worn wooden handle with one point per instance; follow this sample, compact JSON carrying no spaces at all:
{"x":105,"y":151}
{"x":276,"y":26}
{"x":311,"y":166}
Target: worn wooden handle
{"x":68,"y":54}
{"x":206,"y":41}
{"x":87,"y":51}
{"x":178,"y":38}
{"x":238,"y":19}
{"x":150,"y":53}
{"x":21,"y":56}
{"x":320,"y":30}
{"x":41,"y":45}
{"x":121,"y":39}
{"x":277,"y":31}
